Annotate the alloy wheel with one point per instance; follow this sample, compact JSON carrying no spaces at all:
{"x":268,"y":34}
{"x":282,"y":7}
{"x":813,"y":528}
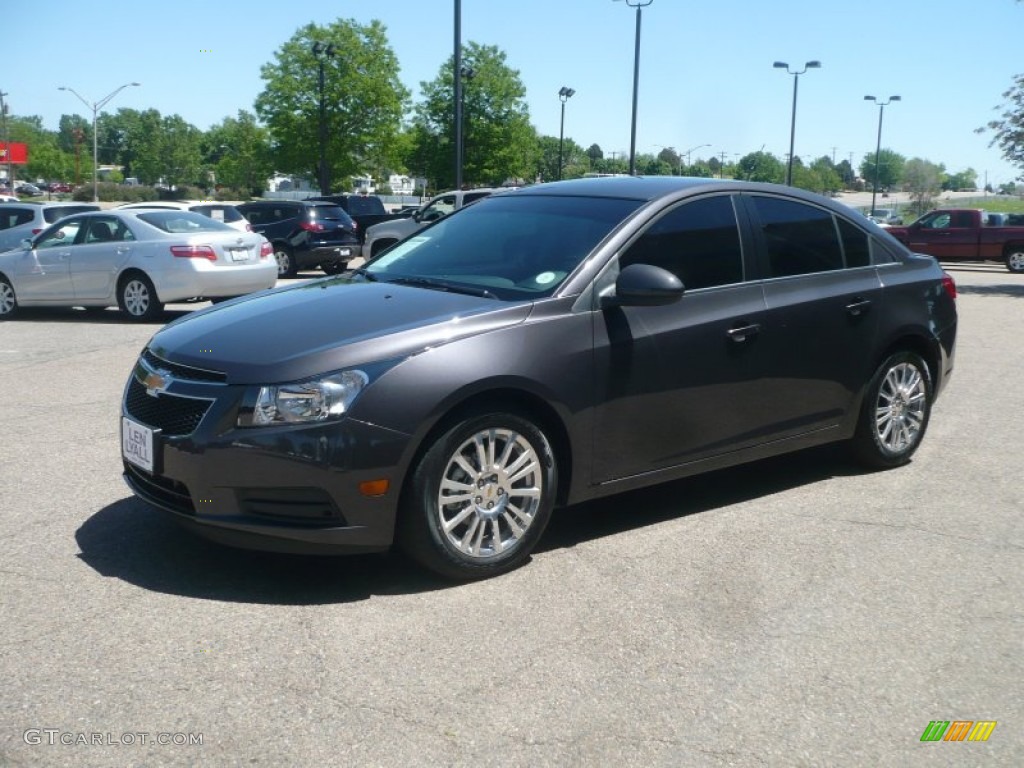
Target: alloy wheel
{"x":901,"y":407}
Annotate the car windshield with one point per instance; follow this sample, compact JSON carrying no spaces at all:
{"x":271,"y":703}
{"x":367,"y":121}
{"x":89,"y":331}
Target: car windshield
{"x":360,"y":205}
{"x":225,"y":213}
{"x":182,"y":222}
{"x":514,"y":246}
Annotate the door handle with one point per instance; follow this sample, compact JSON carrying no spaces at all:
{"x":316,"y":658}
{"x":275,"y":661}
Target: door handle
{"x":123,"y":248}
{"x":858,"y":307}
{"x":743,"y":332}
{"x":64,"y":256}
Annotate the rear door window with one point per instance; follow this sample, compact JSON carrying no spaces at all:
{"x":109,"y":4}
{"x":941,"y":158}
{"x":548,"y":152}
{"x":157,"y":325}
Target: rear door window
{"x":799,"y":239}
{"x":11,"y":216}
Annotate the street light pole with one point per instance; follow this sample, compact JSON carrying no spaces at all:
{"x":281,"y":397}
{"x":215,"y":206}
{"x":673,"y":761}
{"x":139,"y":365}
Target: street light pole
{"x":691,"y":149}
{"x":639,"y":5}
{"x":7,"y":143}
{"x":96,"y":107}
{"x":564,"y":94}
{"x":457,"y":92}
{"x":878,"y":147}
{"x":792,"y":122}
{"x":321,"y":52}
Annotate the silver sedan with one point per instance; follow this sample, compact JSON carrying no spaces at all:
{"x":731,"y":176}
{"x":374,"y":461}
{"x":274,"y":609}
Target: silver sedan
{"x":137,"y":260}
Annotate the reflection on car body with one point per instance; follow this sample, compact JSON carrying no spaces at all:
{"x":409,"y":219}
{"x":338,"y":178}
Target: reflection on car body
{"x":562,"y":343}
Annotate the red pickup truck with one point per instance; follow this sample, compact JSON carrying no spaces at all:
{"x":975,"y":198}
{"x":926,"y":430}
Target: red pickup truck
{"x":966,"y":234}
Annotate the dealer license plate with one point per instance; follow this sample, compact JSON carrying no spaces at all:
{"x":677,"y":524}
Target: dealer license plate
{"x":137,"y":444}
{"x":239,"y":254}
{"x":344,"y":251}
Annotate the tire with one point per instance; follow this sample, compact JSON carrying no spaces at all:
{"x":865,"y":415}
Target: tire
{"x":334,"y":267}
{"x":286,"y":266}
{"x":895,"y":412}
{"x":380,"y":246}
{"x":1015,"y":259}
{"x":137,"y":297}
{"x":492,"y":526}
{"x":8,"y":301}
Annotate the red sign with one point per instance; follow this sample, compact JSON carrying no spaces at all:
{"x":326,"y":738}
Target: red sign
{"x":18,"y":154}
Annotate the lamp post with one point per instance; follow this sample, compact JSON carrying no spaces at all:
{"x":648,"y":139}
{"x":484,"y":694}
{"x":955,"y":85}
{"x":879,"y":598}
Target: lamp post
{"x":639,"y":5}
{"x":792,"y":123}
{"x":323,"y":51}
{"x":7,"y":143}
{"x":96,"y":107}
{"x":691,"y":149}
{"x":564,"y":94}
{"x":878,"y":147}
{"x":457,"y":92}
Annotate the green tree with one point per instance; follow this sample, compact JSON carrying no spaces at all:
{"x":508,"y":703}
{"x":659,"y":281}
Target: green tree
{"x":364,"y":99}
{"x":1008,"y":130}
{"x":499,"y":142}
{"x":45,"y":159}
{"x":575,"y":161}
{"x":890,"y":168}
{"x":181,"y":152}
{"x":594,"y":153}
{"x":760,"y":166}
{"x":966,"y":179}
{"x":923,"y":180}
{"x":846,"y":174}
{"x":238,"y":151}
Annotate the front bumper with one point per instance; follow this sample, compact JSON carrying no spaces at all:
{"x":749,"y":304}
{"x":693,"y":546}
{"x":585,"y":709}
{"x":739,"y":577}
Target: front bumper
{"x":283,"y":489}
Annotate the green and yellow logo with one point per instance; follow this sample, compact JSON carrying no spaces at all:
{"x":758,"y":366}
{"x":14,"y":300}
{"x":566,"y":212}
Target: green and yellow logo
{"x":958,"y":730}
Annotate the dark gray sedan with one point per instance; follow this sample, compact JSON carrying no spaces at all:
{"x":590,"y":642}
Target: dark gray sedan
{"x":539,"y":348}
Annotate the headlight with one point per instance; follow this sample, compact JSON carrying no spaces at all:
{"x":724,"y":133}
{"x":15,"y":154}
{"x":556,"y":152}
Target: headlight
{"x":306,"y":401}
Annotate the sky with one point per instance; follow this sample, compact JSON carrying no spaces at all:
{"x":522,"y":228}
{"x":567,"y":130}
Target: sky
{"x":706,"y":74}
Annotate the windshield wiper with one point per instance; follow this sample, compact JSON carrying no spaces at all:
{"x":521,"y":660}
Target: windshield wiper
{"x":370,"y":277}
{"x":441,"y":285}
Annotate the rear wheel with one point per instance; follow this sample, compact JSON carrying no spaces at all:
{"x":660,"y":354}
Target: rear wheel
{"x":334,"y":267}
{"x":380,"y":246}
{"x":1015,"y":259}
{"x":285,"y":261}
{"x":895,"y":412}
{"x":137,"y":297}
{"x":8,"y":301}
{"x":480,"y":497}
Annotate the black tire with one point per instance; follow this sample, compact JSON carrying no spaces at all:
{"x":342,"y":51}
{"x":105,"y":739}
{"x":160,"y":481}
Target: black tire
{"x":1015,"y":259}
{"x":334,"y":267}
{"x":500,"y":515}
{"x":380,"y":246}
{"x":8,"y":300}
{"x":137,"y":297}
{"x":895,"y":412}
{"x":286,"y":266}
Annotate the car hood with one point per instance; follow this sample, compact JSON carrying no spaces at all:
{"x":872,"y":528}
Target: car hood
{"x":326,"y":325}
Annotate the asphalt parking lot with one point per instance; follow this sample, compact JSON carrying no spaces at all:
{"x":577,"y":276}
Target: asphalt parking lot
{"x":795,"y":612}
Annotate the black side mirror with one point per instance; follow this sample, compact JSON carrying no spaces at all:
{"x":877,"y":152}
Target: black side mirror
{"x":644,"y":285}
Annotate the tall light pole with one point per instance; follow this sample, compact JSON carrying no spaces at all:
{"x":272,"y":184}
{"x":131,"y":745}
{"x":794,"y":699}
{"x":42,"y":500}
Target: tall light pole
{"x":792,"y":122}
{"x":457,"y":93}
{"x":96,"y":107}
{"x":691,"y":149}
{"x":878,"y":147}
{"x":564,"y":94}
{"x":323,"y":51}
{"x":7,"y":143}
{"x":639,"y":5}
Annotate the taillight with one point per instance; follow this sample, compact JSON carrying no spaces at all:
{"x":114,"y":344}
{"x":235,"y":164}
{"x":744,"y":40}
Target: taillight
{"x":266,"y":250}
{"x":312,"y":226}
{"x":37,"y":231}
{"x":949,"y":285}
{"x":194,"y":252}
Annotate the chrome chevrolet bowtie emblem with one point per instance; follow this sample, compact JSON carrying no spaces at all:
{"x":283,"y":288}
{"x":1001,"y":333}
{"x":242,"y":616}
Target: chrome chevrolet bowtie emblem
{"x":156,"y":382}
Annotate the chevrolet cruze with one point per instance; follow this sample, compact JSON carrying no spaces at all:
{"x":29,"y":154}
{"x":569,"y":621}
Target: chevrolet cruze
{"x":539,"y":348}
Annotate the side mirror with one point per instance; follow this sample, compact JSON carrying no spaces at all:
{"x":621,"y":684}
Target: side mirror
{"x":417,"y":216}
{"x":26,"y":244}
{"x":644,"y":285}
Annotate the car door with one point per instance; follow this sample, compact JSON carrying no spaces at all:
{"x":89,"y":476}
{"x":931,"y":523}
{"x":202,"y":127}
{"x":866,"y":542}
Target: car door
{"x":945,"y":235}
{"x":824,"y":303}
{"x":44,"y":272}
{"x":107,"y":243}
{"x":681,"y":382}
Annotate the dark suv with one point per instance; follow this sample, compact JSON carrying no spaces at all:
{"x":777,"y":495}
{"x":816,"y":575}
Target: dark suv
{"x":304,"y":234}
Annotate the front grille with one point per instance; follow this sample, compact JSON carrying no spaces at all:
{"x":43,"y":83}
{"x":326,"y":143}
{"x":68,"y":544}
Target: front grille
{"x":173,"y":415}
{"x":160,"y":490}
{"x":184,"y":372}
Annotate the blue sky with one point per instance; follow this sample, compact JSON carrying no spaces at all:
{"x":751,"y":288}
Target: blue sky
{"x":706,"y":73}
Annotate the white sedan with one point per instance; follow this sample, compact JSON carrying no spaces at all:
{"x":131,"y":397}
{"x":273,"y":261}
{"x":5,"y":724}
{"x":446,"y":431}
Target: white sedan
{"x":138,"y":260}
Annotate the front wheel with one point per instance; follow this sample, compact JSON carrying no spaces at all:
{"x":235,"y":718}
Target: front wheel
{"x":137,"y":298}
{"x":480,"y":497}
{"x":8,"y":301}
{"x":895,"y":412}
{"x":1015,"y":260}
{"x":334,"y":267}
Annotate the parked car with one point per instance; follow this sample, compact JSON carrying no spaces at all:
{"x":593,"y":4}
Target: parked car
{"x":222,"y":212}
{"x":365,"y":210}
{"x":27,"y":189}
{"x":136,"y":260}
{"x":304,"y":234}
{"x":8,"y":199}
{"x":26,"y":220}
{"x":535,"y":349}
{"x":59,"y":186}
{"x":962,"y":234}
{"x":886,"y":216}
{"x":381,"y":236}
